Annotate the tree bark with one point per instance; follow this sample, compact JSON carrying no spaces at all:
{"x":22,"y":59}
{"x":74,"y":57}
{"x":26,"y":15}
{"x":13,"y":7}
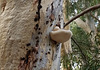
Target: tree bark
{"x":24,"y":32}
{"x":83,"y":25}
{"x":91,"y":24}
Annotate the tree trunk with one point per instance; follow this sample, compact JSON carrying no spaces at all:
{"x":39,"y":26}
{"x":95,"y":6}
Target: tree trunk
{"x":24,"y":32}
{"x":83,"y":25}
{"x":91,"y":24}
{"x":66,"y":46}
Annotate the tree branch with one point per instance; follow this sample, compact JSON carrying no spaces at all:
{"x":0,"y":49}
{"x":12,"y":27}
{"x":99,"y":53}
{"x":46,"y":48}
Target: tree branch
{"x":82,"y":13}
{"x":95,"y":18}
{"x":83,"y":55}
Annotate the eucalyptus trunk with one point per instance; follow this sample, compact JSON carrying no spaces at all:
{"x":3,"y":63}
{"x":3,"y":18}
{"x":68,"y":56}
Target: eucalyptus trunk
{"x":25,"y":43}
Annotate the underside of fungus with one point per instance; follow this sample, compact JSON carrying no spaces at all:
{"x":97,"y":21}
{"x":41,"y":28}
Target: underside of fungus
{"x":60,"y":35}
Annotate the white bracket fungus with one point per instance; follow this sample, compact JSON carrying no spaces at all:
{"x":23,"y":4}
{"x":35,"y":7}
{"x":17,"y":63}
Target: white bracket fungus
{"x":60,"y":35}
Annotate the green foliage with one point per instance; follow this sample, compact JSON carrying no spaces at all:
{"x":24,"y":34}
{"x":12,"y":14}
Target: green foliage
{"x":80,"y":5}
{"x":85,"y":54}
{"x":66,"y":62}
{"x":81,"y":36}
{"x":76,"y":60}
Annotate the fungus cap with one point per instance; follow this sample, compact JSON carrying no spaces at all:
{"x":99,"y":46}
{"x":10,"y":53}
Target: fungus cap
{"x":56,"y":28}
{"x":60,"y":35}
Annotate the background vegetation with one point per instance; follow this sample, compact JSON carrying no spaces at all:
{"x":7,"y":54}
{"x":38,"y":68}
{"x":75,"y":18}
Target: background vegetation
{"x":86,"y":54}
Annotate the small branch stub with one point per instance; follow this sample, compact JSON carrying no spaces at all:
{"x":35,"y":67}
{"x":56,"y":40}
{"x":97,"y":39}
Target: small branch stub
{"x":60,"y":35}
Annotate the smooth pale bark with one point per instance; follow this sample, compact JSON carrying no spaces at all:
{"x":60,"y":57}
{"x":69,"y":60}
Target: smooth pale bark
{"x":91,"y":24}
{"x":24,"y":43}
{"x":83,"y":25}
{"x":88,"y":26}
{"x":66,"y":46}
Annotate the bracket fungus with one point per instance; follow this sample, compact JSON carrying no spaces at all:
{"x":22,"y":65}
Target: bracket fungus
{"x":60,"y":35}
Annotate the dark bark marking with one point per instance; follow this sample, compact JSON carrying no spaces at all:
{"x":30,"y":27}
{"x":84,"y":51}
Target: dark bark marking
{"x":22,"y":58}
{"x":39,"y":32}
{"x":45,"y":53}
{"x":28,"y":44}
{"x":3,"y":5}
{"x":35,"y":66}
{"x":59,"y":17}
{"x":36,"y":17}
{"x":40,"y":59}
{"x":35,"y":60}
{"x":49,"y":44}
{"x":52,"y":17}
{"x":49,"y":49}
{"x":38,"y":11}
{"x":58,"y":24}
{"x":26,"y":49}
{"x":47,"y":22}
{"x":39,"y":28}
{"x":37,"y":37}
{"x":48,"y":52}
{"x":47,"y":9}
{"x":36,"y":27}
{"x":50,"y":25}
{"x":52,"y":8}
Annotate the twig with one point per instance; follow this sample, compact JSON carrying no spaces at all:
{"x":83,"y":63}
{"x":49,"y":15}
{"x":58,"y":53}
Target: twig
{"x":79,"y":48}
{"x":95,"y":17}
{"x":82,"y":13}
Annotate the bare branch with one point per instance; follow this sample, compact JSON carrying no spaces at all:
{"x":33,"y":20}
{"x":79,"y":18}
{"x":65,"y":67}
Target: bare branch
{"x":95,"y":18}
{"x":83,"y":55}
{"x":82,"y":13}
